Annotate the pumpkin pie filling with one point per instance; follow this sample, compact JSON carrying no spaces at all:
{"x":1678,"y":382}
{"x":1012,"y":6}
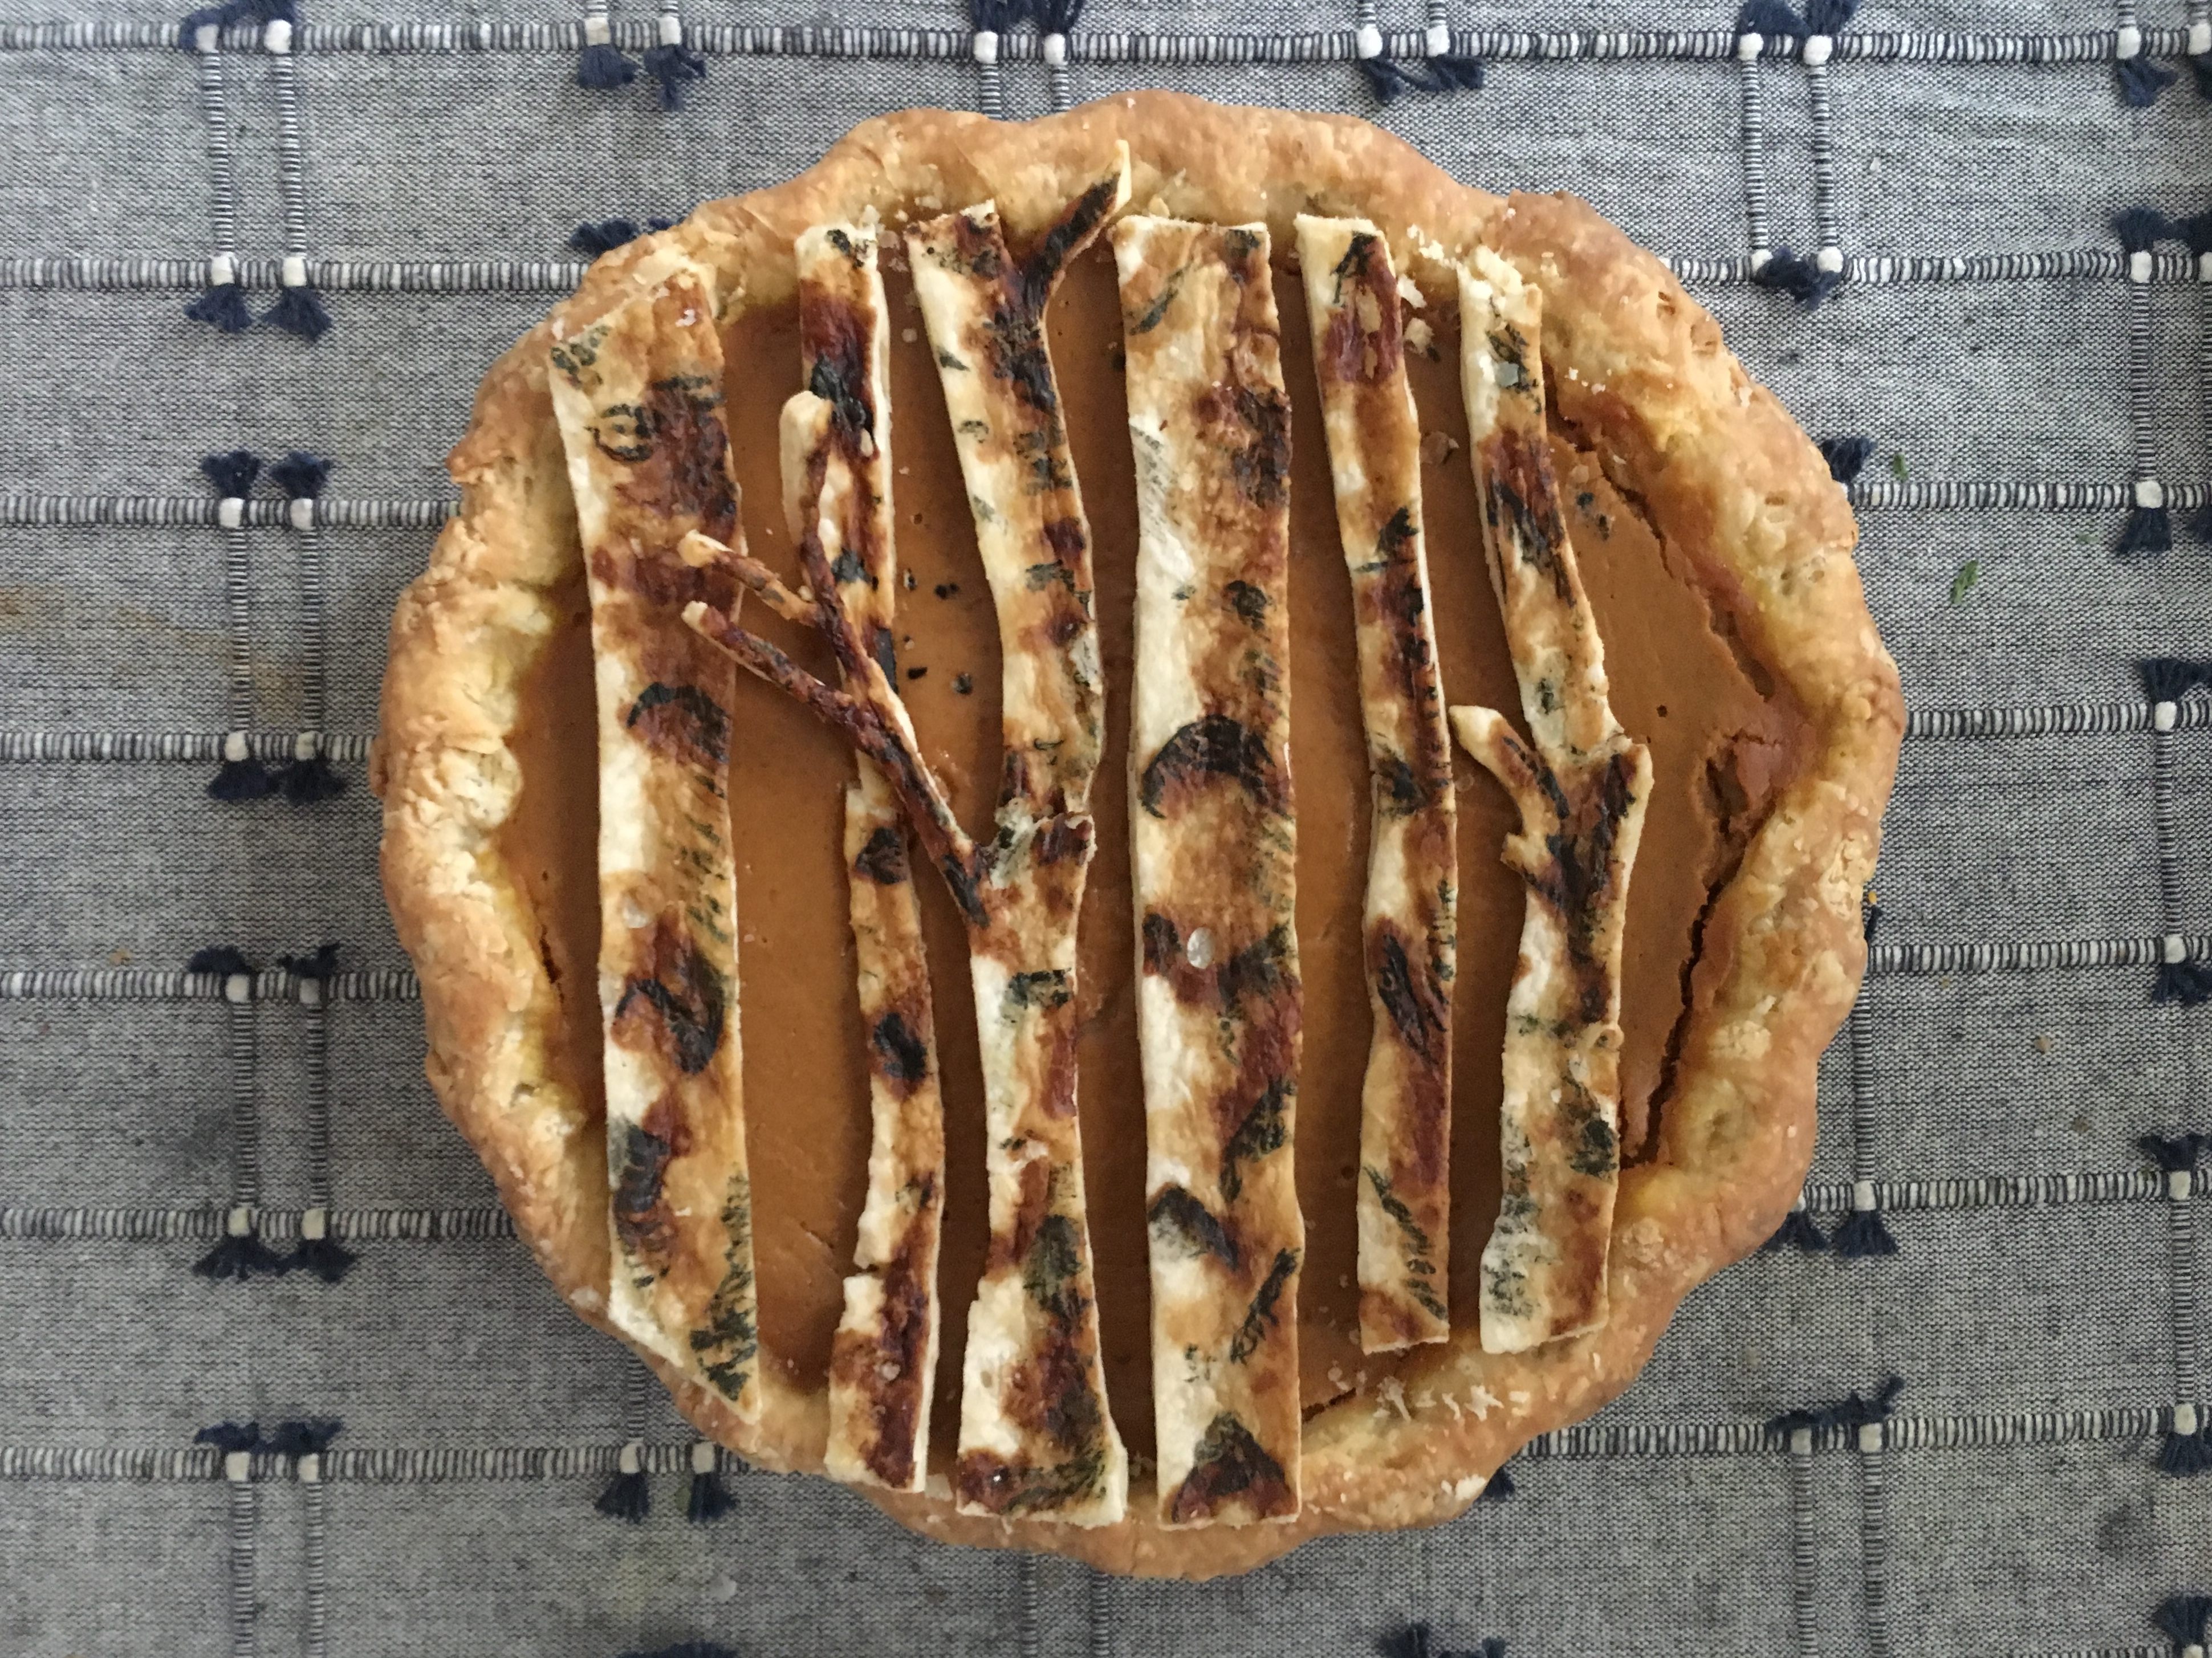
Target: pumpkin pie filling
{"x":1721,"y":741}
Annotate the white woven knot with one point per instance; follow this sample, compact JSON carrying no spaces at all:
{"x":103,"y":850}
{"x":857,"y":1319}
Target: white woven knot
{"x":1054,"y":48}
{"x":1818,"y":49}
{"x":1862,"y":1196}
{"x":1830,"y":259}
{"x":223,"y":271}
{"x":2179,"y":1182}
{"x":2176,"y":952}
{"x":1749,"y":46}
{"x":2204,"y":267}
{"x":314,"y":1223}
{"x":233,"y":742}
{"x":2165,"y":716}
{"x":1761,"y":260}
{"x":238,"y":1467}
{"x":483,"y":36}
{"x":230,"y":514}
{"x":2128,"y":43}
{"x":595,"y":32}
{"x":300,"y":509}
{"x":2139,"y":265}
{"x":633,"y":1457}
{"x":1367,"y":43}
{"x":1871,"y":1436}
{"x":2149,"y":492}
{"x":206,"y":37}
{"x":294,"y":272}
{"x":1438,"y":41}
{"x":2185,"y":1418}
{"x":2200,"y":39}
{"x":277,"y":37}
{"x":703,"y":1457}
{"x":237,"y":990}
{"x":310,"y":1468}
{"x":1800,"y":1441}
{"x":306,"y":746}
{"x":987,"y":46}
{"x":671,"y":29}
{"x":239,"y":1223}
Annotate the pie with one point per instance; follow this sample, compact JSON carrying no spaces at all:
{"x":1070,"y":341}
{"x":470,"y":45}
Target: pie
{"x":1137,"y":830}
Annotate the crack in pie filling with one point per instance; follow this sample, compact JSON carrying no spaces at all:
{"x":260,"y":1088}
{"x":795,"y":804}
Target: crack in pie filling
{"x":977,"y":955}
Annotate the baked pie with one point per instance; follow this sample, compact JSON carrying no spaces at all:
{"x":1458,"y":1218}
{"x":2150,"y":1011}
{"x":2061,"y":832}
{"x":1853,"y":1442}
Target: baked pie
{"x":1137,"y":830}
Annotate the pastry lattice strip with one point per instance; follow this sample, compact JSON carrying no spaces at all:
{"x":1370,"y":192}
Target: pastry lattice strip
{"x":836,"y":447}
{"x":637,"y":395}
{"x":1212,"y":846}
{"x":1037,"y":1436}
{"x":1581,"y":791}
{"x":1374,"y":446}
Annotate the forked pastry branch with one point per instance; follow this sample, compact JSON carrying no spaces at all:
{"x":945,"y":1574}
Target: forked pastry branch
{"x":1581,"y":791}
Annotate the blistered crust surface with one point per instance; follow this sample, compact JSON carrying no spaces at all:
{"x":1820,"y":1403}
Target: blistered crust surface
{"x":1726,"y":478}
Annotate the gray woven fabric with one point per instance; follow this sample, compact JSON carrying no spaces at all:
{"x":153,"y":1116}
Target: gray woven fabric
{"x":2047,"y":852}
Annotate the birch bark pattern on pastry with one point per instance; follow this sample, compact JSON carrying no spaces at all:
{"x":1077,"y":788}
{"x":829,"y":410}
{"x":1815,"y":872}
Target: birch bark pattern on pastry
{"x":837,"y":447}
{"x":1213,"y":851}
{"x":1581,"y":791}
{"x":1374,"y":450}
{"x":637,"y":394}
{"x":1037,"y":1436}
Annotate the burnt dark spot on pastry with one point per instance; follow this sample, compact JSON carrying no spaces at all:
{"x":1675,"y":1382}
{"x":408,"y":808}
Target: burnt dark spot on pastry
{"x":1066,"y":626}
{"x":685,"y":994}
{"x":1247,"y":601}
{"x":1065,"y":537}
{"x":883,"y":857}
{"x":1259,"y":1316}
{"x":683,"y":722}
{"x":947,"y":589}
{"x":1509,"y":345}
{"x":676,"y":448}
{"x":986,"y":1481}
{"x":1593,"y":1148}
{"x":838,"y":240}
{"x":1393,"y":542}
{"x":1399,"y":787}
{"x":1262,"y":1131}
{"x":904,"y":1055}
{"x":1238,"y":245}
{"x":1406,"y":993}
{"x":640,"y":1159}
{"x":1154,"y":314}
{"x":1163,"y":943}
{"x":1520,"y":497}
{"x":962,"y":684}
{"x":1350,"y":353}
{"x":1578,"y":873}
{"x":949,"y":359}
{"x":1231,"y":1466}
{"x":1180,"y":1218}
{"x":901,"y":1344}
{"x":727,"y":1343}
{"x":1419,"y":1268}
{"x":1052,"y":1269}
{"x":977,"y":250}
{"x":1062,"y":839}
{"x":880,"y":647}
{"x":1075,"y":227}
{"x":1262,"y":463}
{"x":847,"y":568}
{"x":1214,"y":745}
{"x":835,"y":336}
{"x":1041,"y":576}
{"x":1013,"y":341}
{"x":1254,"y":972}
{"x":1047,"y":987}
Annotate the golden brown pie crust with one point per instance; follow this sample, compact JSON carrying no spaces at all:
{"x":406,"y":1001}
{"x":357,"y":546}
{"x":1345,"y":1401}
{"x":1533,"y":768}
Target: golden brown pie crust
{"x":1639,"y":373}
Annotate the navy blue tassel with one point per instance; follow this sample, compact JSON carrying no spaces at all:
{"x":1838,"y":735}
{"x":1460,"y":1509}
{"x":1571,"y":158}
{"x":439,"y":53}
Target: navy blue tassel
{"x":1056,"y":16}
{"x":997,"y":15}
{"x":306,"y":782}
{"x":1851,"y":1412}
{"x":2141,"y":81}
{"x":2201,"y":66}
{"x":319,"y":965}
{"x":2177,"y":1156}
{"x":310,"y":1438}
{"x":1498,"y":1488}
{"x":2185,"y":1456}
{"x":225,"y":959}
{"x":1802,"y":280}
{"x":2182,"y":1618}
{"x":1830,"y":16}
{"x":1869,"y":917}
{"x":603,"y":69}
{"x":1863,"y":1234}
{"x":1846,"y":456}
{"x":689,"y":1649}
{"x":223,"y":307}
{"x":1414,"y":1641}
{"x":2148,"y":530}
{"x":607,"y":234}
{"x":1770,"y":18}
{"x":222,"y":16}
{"x":1797,"y":1231}
{"x":627,"y":1497}
{"x":326,"y":1257}
{"x":300,"y":311}
{"x":2140,"y":229}
{"x":229,"y":1436}
{"x":241,"y":1258}
{"x":2170,"y":678}
{"x":671,"y":66}
{"x":710,"y":1499}
{"x":2200,"y":522}
{"x":300,"y":475}
{"x":1386,"y":79}
{"x":232,"y":474}
{"x":242,"y":779}
{"x":2183,"y":984}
